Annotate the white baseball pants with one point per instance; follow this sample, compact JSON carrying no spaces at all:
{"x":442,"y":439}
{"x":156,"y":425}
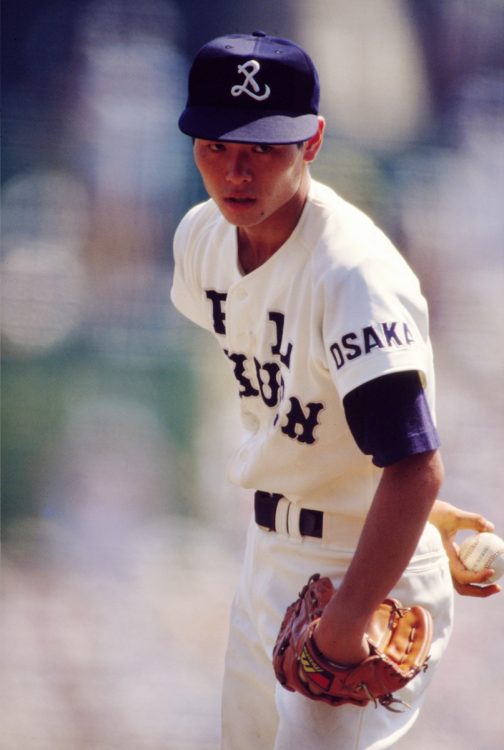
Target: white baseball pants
{"x":257,"y":712}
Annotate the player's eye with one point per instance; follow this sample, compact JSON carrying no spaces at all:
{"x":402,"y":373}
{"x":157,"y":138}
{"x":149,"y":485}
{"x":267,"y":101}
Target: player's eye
{"x":216,"y":147}
{"x":263,"y":148}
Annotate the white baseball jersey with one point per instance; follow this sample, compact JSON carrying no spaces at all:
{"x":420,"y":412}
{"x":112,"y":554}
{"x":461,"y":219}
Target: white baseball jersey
{"x":333,"y":308}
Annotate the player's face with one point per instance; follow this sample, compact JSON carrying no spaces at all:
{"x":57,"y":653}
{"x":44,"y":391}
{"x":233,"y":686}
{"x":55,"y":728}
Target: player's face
{"x":254,"y":184}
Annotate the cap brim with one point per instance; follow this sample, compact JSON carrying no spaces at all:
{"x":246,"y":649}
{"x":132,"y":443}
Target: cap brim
{"x":244,"y":126}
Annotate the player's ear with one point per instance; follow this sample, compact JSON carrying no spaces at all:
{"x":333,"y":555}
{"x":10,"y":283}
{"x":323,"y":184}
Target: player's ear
{"x":313,"y":144}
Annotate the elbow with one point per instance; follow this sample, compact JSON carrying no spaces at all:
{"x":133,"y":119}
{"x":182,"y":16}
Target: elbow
{"x":422,"y":474}
{"x":431,"y":476}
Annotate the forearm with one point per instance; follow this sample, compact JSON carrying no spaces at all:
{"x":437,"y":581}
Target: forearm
{"x":397,"y":517}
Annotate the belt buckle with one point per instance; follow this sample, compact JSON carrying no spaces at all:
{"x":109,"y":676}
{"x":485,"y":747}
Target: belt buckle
{"x":296,"y":522}
{"x":282,"y":522}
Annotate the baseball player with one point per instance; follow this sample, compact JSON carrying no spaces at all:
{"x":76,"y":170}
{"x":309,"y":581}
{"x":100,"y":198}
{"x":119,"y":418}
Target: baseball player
{"x":326,"y":331}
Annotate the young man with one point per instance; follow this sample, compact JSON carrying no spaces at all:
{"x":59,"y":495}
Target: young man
{"x":326,"y":330}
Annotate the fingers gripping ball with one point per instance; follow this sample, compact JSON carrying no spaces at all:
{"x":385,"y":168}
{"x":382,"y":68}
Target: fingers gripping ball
{"x":482,"y":551}
{"x":399,"y":641}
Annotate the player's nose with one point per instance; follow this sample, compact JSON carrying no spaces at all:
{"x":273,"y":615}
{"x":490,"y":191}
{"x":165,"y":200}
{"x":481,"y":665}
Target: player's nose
{"x":238,"y":169}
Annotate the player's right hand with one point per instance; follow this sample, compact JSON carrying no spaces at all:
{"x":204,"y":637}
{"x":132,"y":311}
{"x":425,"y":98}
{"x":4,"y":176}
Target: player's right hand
{"x":448,"y":520}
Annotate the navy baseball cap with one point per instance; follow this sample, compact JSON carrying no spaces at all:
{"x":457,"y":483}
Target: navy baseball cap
{"x":252,"y":88}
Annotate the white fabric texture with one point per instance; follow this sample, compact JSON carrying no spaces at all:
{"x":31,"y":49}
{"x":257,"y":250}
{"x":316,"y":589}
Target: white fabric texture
{"x":336,"y":306}
{"x":275,"y":569}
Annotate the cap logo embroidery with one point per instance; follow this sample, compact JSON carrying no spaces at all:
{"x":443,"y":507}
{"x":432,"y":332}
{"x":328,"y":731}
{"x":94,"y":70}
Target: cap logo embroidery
{"x":250,"y":86}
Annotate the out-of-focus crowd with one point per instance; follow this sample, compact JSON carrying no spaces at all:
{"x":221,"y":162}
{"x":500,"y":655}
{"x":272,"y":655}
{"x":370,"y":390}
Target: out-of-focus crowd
{"x":121,"y":537}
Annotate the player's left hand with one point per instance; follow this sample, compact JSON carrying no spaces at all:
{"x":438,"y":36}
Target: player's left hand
{"x":448,"y":520}
{"x":397,"y":649}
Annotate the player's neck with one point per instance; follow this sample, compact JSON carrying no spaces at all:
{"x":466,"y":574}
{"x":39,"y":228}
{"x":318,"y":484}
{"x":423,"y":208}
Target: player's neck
{"x":256,"y":244}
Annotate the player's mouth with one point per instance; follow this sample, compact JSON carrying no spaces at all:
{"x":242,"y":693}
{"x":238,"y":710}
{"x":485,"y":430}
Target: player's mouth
{"x":239,"y":201}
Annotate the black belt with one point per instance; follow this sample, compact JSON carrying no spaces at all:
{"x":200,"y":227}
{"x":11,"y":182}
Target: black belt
{"x":265,"y":505}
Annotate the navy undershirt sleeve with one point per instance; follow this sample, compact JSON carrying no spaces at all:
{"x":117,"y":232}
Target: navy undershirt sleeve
{"x":390,"y":419}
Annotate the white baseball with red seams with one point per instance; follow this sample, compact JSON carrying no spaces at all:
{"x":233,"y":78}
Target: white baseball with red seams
{"x":485,"y":550}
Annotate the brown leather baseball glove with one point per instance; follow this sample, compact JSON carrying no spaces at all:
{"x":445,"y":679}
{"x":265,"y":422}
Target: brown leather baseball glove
{"x":399,"y":641}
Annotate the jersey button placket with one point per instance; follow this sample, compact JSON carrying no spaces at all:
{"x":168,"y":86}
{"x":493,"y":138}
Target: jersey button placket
{"x":240,"y":335}
{"x":250,"y":421}
{"x":246,"y":340}
{"x":241,"y":293}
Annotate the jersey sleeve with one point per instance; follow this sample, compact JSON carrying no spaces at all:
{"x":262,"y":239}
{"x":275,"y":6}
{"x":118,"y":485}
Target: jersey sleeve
{"x":390,"y":418}
{"x":375,"y":322}
{"x":186,"y":292}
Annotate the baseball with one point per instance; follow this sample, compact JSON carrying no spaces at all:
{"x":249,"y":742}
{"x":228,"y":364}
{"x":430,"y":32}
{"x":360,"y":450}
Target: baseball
{"x":481,"y":551}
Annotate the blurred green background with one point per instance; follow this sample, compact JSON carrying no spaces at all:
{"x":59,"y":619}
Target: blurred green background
{"x":116,"y":415}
